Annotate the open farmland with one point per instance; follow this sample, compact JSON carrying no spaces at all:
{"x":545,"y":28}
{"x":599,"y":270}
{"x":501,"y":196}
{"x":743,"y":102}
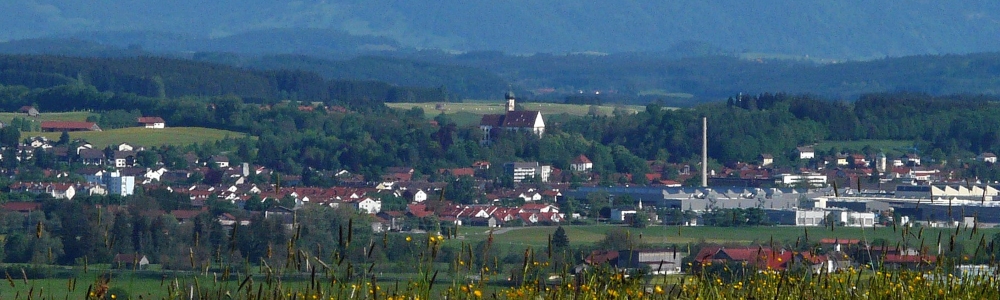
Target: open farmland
{"x":140,"y":136}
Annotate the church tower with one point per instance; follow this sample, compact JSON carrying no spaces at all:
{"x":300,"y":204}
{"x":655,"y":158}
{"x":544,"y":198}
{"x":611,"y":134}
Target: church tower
{"x":510,"y":100}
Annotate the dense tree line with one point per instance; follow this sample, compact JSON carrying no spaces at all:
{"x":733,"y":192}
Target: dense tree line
{"x":164,"y":77}
{"x":945,"y":127}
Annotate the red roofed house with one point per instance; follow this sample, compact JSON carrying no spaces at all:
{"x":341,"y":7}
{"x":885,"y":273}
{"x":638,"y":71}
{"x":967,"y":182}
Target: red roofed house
{"x":581,"y":164}
{"x":130,"y":261}
{"x":895,"y":261}
{"x":759,"y":257}
{"x":523,"y":120}
{"x":152,"y":122}
{"x":458,"y":172}
{"x":59,"y":126}
{"x":57,"y":190}
{"x":21,"y":207}
{"x":185,"y":215}
{"x":839,"y":244}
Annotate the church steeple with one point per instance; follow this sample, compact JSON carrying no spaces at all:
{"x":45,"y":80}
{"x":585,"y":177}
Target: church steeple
{"x":510,"y":100}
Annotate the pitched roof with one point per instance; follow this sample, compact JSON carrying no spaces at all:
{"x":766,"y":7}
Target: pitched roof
{"x":124,"y":154}
{"x":597,"y":257}
{"x":185,"y":214}
{"x":491,"y":120}
{"x":21,"y":206}
{"x":128,"y":258}
{"x":582,"y":159}
{"x":91,"y":154}
{"x":894,"y":258}
{"x":839,"y":241}
{"x":459,"y":171}
{"x":520,"y":118}
{"x":150,"y":120}
{"x":56,"y":125}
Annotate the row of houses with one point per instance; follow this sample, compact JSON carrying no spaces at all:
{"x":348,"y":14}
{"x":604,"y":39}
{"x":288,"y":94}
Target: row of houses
{"x":485,"y":214}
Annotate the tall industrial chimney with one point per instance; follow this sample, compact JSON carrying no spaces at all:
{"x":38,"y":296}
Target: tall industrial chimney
{"x":704,"y":151}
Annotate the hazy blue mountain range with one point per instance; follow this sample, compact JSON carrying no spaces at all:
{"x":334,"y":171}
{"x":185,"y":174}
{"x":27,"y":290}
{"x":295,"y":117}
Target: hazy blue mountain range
{"x":829,"y":29}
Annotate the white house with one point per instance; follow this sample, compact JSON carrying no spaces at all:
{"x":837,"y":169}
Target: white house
{"x":581,"y":164}
{"x":987,"y":157}
{"x":152,"y":122}
{"x":367,"y":205}
{"x":805,"y":152}
{"x":766,"y":159}
{"x":221,"y":160}
{"x":415,"y":196}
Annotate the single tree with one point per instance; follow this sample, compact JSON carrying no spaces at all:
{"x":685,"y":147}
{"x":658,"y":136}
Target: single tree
{"x":559,"y":239}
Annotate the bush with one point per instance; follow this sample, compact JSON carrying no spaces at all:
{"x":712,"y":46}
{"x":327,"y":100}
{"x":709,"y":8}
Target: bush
{"x":116,"y":293}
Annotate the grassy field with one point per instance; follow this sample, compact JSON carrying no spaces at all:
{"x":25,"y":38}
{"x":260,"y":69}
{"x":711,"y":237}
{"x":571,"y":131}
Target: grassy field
{"x":62,"y":116}
{"x":145,"y":137}
{"x":658,"y":92}
{"x":477,"y":108}
{"x":667,"y":235}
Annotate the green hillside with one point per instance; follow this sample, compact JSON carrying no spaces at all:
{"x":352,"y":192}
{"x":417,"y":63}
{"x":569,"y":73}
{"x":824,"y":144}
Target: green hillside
{"x":139,"y":136}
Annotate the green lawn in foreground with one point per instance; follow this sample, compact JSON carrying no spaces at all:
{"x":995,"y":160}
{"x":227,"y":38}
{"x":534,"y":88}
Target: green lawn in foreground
{"x":666,"y":235}
{"x":140,"y":136}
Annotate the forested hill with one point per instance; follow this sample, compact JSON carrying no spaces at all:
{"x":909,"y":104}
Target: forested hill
{"x":833,"y":29}
{"x":164,"y":77}
{"x":460,"y":81}
{"x":435,"y":76}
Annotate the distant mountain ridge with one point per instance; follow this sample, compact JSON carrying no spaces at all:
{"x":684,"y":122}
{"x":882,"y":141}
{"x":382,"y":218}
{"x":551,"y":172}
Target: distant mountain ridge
{"x":850,"y":29}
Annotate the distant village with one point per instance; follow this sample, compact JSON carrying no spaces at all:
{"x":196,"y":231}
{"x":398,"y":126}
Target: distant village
{"x":874,"y":190}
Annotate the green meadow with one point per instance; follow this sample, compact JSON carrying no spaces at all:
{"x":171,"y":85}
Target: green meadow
{"x":780,"y":235}
{"x":139,"y":136}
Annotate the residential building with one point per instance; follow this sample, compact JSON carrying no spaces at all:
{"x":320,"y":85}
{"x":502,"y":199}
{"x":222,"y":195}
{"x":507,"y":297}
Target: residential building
{"x":56,"y":190}
{"x":766,"y":160}
{"x":152,"y":122}
{"x":987,"y":157}
{"x":130,"y":261}
{"x":805,"y":152}
{"x":367,"y":205}
{"x":124,"y":159}
{"x":522,"y":170}
{"x":221,"y":161}
{"x":581,"y":164}
{"x":116,"y":183}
